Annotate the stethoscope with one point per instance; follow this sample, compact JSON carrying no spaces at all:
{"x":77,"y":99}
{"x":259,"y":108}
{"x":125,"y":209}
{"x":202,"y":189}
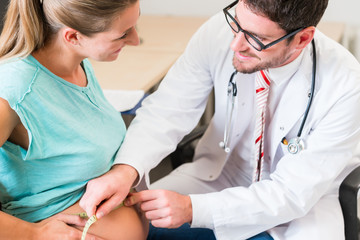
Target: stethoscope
{"x":294,"y":145}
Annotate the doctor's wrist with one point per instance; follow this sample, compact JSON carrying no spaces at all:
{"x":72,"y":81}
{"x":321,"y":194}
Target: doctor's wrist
{"x":127,"y":171}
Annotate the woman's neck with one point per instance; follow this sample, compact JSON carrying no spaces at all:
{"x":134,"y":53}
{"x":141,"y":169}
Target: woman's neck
{"x":62,"y":61}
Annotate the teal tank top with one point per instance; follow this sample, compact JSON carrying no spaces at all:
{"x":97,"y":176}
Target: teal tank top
{"x":74,"y":135}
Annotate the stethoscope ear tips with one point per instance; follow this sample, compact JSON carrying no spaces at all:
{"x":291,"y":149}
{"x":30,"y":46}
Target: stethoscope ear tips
{"x":223,"y":146}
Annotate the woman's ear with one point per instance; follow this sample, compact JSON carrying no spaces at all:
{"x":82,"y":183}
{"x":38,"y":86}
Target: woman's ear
{"x":71,"y":36}
{"x":304,"y":37}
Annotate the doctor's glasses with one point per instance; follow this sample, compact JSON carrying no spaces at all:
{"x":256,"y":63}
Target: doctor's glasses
{"x":251,"y":39}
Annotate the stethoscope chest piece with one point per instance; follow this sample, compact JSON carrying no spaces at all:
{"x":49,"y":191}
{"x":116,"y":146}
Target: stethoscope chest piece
{"x":296,"y":145}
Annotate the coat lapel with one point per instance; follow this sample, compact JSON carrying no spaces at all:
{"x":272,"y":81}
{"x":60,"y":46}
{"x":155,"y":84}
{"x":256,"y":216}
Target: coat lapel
{"x":292,"y":105}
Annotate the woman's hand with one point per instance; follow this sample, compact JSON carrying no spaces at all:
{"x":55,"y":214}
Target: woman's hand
{"x":61,"y":227}
{"x":105,"y":193}
{"x":165,"y":209}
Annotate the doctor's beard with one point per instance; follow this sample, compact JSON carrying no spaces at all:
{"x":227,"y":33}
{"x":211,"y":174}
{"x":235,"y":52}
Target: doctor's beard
{"x":264,"y":63}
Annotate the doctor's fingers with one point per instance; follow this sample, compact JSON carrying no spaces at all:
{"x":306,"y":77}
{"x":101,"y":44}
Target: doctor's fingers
{"x":102,"y":195}
{"x":107,"y":206}
{"x":144,"y":196}
{"x":158,"y":214}
{"x":88,"y":204}
{"x":167,"y":222}
{"x":92,"y":197}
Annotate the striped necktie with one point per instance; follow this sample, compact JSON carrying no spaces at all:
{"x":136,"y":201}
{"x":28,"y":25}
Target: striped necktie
{"x":262,"y":92}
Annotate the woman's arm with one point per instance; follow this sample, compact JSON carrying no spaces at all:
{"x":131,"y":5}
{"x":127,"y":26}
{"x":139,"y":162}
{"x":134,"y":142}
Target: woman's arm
{"x":14,"y":228}
{"x":55,"y":228}
{"x":8,"y":121}
{"x":123,"y":223}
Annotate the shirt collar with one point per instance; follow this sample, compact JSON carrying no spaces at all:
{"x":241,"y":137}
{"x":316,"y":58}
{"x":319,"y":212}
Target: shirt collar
{"x":282,"y":74}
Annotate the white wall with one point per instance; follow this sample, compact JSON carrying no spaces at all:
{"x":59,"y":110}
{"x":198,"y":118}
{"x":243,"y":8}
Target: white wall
{"x":183,"y":7}
{"x":344,"y":11}
{"x":338,"y":10}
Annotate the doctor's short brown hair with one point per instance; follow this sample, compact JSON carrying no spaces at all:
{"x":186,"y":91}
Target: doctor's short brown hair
{"x":289,"y":14}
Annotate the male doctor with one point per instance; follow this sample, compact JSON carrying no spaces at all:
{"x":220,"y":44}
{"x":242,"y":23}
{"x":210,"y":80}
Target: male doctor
{"x":279,"y":172}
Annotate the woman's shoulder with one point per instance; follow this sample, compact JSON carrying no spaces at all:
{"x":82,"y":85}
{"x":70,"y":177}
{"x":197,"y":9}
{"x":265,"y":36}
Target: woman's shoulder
{"x":19,"y":68}
{"x":16,"y":78}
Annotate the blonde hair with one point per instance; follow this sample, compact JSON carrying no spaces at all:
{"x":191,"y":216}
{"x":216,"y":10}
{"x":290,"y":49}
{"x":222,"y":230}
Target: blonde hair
{"x":30,"y":23}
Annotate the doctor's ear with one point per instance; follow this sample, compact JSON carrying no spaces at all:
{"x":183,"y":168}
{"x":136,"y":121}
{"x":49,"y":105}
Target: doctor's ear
{"x":304,"y":37}
{"x":71,"y":36}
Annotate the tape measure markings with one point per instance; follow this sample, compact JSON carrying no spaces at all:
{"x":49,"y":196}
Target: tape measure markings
{"x":87,"y":226}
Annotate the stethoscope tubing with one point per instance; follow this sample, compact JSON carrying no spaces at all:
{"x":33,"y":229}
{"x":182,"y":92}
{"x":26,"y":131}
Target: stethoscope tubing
{"x":231,"y":93}
{"x":311,"y":96}
{"x":296,"y":143}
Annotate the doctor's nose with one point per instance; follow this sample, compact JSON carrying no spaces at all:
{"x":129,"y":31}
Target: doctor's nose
{"x":239,"y":43}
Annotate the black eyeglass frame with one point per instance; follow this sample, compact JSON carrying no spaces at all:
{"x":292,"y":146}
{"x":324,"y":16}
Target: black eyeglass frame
{"x":247,"y":34}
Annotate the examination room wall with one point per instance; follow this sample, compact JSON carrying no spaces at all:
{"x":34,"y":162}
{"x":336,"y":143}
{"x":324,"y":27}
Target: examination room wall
{"x":344,"y":11}
{"x":338,"y":10}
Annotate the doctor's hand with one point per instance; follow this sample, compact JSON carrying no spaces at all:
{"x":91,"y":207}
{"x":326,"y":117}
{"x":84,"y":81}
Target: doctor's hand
{"x":105,"y":193}
{"x":165,"y":209}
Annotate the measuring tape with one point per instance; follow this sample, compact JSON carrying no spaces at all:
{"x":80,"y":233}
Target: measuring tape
{"x":87,"y":226}
{"x":90,"y":221}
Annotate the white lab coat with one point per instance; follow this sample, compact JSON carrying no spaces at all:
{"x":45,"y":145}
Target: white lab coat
{"x":299,"y":197}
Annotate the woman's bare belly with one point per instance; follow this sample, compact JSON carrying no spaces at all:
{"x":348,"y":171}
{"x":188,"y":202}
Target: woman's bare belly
{"x":124,"y":223}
